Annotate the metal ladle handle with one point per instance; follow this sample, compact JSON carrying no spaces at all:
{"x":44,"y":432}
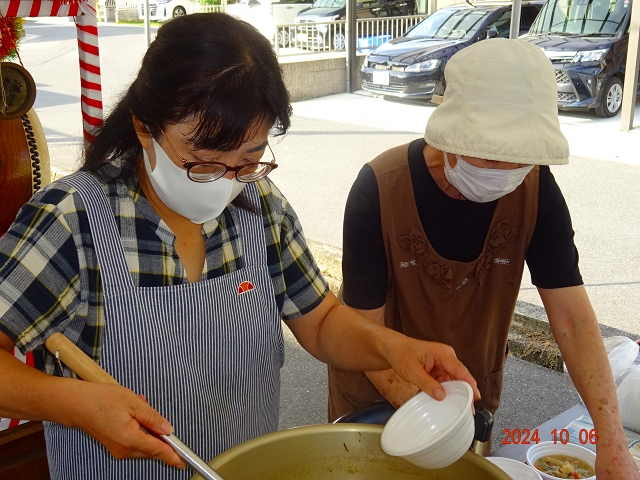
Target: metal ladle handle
{"x":90,"y":371}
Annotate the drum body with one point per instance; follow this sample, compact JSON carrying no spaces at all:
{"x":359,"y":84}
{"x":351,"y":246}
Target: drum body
{"x":24,"y":164}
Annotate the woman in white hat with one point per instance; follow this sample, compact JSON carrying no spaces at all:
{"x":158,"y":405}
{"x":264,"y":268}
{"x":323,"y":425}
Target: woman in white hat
{"x":437,"y":233}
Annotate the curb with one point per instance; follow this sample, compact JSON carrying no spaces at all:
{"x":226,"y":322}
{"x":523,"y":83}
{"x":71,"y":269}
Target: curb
{"x":530,"y":336}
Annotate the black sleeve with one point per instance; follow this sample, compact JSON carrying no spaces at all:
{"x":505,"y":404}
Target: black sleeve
{"x":364,"y":261}
{"x":552,"y":256}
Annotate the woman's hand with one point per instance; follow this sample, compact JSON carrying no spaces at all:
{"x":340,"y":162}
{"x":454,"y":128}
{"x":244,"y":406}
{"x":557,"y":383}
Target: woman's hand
{"x":121,"y":421}
{"x":426,"y":364}
{"x":338,"y":335}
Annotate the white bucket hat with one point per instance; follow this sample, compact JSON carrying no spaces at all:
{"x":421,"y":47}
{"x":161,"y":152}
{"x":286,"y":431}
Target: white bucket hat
{"x":500,"y":104}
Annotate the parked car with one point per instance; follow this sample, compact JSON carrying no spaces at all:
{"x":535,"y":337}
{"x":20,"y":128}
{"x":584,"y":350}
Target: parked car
{"x":161,"y":10}
{"x":314,"y":33}
{"x":267,"y":15}
{"x":587,"y":43}
{"x":413,"y":65}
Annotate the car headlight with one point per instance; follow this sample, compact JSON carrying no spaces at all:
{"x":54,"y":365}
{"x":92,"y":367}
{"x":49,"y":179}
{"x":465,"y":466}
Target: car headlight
{"x":589,"y":56}
{"x":423,"y":66}
{"x":365,"y":63}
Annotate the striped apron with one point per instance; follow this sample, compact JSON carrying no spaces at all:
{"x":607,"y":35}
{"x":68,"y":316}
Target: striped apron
{"x":206,"y":355}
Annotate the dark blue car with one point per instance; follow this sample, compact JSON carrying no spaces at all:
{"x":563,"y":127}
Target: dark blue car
{"x":587,"y":41}
{"x":413,"y":65}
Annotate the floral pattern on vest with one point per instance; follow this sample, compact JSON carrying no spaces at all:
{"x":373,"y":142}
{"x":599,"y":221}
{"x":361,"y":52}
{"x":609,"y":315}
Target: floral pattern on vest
{"x":417,"y":244}
{"x":442,"y":274}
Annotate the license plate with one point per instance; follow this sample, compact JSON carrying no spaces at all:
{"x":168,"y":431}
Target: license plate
{"x":302,"y":37}
{"x":380,"y":78}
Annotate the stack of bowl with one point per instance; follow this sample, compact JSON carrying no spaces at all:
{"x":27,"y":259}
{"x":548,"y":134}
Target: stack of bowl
{"x":516,"y":470}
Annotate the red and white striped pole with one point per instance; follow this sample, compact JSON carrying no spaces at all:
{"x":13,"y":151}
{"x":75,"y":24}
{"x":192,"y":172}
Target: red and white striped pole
{"x":90,"y":82}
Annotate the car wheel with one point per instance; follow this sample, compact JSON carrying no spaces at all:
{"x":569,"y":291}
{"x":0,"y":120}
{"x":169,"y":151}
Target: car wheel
{"x":179,"y":12}
{"x":283,"y":37}
{"x":611,"y":98}
{"x":338,"y":41}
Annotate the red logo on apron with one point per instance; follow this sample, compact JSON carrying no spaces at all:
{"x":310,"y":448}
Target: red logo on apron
{"x":245,"y":287}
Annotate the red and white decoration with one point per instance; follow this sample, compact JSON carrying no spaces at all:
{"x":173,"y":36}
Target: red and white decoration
{"x":84,"y":12}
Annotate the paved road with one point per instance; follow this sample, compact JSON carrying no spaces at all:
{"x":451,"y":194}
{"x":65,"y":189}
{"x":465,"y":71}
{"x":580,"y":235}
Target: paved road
{"x":331,"y":138}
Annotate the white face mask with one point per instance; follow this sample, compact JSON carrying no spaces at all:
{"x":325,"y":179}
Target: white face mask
{"x":199,"y":202}
{"x":483,"y":185}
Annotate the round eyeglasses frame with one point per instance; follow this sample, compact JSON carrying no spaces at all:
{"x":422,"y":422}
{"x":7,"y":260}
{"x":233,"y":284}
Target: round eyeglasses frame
{"x":204,"y":172}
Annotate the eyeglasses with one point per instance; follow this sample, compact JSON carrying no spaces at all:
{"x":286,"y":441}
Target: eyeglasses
{"x":203,"y":172}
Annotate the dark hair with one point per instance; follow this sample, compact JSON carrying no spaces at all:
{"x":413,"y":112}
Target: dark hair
{"x":206,"y":66}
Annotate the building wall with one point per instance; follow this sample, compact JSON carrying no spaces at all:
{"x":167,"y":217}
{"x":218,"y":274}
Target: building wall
{"x":306,"y":78}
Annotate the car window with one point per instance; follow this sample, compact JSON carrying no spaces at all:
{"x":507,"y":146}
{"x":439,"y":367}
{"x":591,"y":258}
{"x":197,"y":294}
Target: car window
{"x":581,"y":17}
{"x":502,"y":24}
{"x":527,"y":16}
{"x":330,"y":3}
{"x":450,"y":23}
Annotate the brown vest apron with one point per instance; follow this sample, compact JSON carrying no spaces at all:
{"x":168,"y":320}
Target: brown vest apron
{"x":468,"y":305}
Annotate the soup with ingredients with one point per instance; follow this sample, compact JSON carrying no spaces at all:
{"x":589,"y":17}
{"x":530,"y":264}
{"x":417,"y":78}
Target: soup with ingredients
{"x":564,"y":466}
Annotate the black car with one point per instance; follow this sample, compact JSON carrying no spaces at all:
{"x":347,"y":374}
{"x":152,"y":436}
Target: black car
{"x":587,"y":41}
{"x":313,"y":31}
{"x":413,"y":65}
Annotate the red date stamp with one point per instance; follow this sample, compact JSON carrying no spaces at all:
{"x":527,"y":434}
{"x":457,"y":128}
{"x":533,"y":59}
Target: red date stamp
{"x":525,"y":436}
{"x":520,"y":437}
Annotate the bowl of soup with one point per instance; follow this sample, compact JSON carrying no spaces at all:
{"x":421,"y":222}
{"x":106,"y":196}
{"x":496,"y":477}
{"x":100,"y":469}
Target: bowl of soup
{"x":555,"y":460}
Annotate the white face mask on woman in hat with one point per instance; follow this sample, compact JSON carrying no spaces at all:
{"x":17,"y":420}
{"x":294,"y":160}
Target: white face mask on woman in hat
{"x":483,"y":185}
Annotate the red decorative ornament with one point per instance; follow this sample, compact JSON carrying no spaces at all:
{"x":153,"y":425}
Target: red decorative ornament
{"x":11,"y":31}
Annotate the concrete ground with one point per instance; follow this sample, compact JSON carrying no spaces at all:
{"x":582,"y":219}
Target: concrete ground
{"x":329,"y":141}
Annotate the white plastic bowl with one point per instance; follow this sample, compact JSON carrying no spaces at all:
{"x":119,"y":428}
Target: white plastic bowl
{"x":431,"y":433}
{"x":629,"y":399}
{"x":516,"y":470}
{"x":550,"y":448}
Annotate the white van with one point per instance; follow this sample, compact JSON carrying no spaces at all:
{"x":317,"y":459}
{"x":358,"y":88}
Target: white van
{"x":161,"y":10}
{"x":265,"y":15}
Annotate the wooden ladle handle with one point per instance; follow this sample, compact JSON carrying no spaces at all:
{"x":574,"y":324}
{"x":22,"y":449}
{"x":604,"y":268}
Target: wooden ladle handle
{"x":78,"y":361}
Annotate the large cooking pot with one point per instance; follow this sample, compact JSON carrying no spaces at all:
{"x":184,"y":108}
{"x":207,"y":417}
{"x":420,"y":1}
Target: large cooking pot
{"x":335,"y":451}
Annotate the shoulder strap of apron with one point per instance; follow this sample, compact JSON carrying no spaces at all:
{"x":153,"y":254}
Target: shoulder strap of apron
{"x":104,"y":232}
{"x":252,"y":231}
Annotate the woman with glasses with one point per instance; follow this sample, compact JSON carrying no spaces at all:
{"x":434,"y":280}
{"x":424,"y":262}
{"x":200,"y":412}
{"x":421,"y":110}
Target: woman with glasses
{"x":171,"y":259}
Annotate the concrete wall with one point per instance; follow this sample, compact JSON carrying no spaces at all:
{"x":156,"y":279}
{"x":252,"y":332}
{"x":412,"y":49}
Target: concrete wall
{"x":128,"y":15}
{"x":311,"y":78}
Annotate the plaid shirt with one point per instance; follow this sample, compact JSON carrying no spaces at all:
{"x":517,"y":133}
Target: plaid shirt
{"x":50,"y":278}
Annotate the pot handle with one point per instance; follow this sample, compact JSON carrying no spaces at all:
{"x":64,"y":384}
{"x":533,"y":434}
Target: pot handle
{"x":483,"y":421}
{"x":74,"y":358}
